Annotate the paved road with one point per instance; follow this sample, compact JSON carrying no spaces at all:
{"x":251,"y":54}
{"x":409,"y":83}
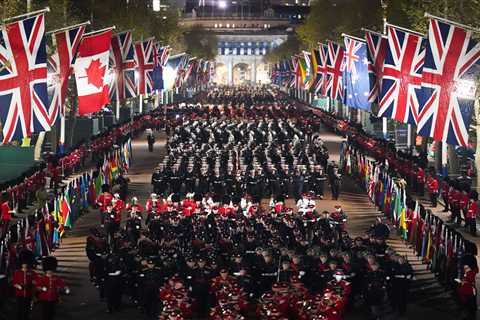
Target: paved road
{"x":430,"y":298}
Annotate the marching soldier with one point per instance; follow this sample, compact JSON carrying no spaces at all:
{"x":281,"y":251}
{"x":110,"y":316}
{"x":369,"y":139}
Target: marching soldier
{"x":49,"y":287}
{"x":24,"y":284}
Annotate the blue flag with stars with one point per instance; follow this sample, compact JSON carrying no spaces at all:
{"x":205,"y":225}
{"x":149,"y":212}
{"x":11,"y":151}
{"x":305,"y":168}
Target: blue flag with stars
{"x":356,"y":82}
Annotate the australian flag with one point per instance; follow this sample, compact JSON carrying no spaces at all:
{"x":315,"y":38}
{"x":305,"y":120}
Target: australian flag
{"x":356,"y":81}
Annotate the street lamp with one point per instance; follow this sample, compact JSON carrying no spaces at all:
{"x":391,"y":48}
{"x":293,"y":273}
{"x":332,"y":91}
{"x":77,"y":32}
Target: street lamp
{"x":222,"y":4}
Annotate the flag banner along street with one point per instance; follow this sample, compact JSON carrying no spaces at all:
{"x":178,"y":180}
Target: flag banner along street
{"x":122,"y":66}
{"x":91,"y":72}
{"x":334,"y":68}
{"x":376,"y":45}
{"x":356,"y":81}
{"x":448,"y":88}
{"x":402,"y":75}
{"x":144,"y":53}
{"x":60,"y":66}
{"x":23,"y":79}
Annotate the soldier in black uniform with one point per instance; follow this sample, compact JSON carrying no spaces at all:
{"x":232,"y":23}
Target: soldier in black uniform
{"x":113,"y":283}
{"x":401,"y":276}
{"x":150,"y":282}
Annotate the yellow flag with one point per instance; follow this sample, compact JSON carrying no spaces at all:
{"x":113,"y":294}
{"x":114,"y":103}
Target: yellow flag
{"x":26,"y":142}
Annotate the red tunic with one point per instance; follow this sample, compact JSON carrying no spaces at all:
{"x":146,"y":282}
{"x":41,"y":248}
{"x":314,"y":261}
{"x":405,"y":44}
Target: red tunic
{"x":49,"y":287}
{"x":5,"y":212}
{"x":104,"y":200}
{"x":472,"y":210}
{"x":23,"y":282}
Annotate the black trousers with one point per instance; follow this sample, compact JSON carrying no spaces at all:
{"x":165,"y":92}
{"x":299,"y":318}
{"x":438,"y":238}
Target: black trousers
{"x":471,"y":226}
{"x":23,"y":308}
{"x":433,"y":199}
{"x":48,"y":309}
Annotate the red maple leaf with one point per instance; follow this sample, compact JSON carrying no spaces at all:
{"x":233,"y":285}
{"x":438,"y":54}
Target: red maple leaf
{"x":95,"y":73}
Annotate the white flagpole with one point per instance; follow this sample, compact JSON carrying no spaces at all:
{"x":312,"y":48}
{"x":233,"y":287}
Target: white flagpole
{"x":140,"y":103}
{"x":117,"y":109}
{"x":86,"y":23}
{"x":101,"y":30}
{"x":62,"y":129}
{"x":25,"y":15}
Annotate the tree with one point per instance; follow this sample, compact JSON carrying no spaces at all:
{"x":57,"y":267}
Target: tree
{"x":200,"y":43}
{"x":328,"y":19}
{"x":286,"y":50}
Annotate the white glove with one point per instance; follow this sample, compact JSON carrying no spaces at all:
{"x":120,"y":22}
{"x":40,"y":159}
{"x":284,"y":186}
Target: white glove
{"x":44,"y":289}
{"x":67,"y":290}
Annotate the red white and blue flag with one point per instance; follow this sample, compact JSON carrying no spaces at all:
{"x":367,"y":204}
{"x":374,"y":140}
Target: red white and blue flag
{"x":181,"y":70}
{"x":321,"y":55}
{"x":144,"y":56}
{"x":160,"y":59}
{"x":402,"y":75}
{"x":448,"y":87}
{"x":334,"y":68}
{"x":122,"y":66}
{"x":23,"y":79}
{"x":60,"y":67}
{"x":376,"y":45}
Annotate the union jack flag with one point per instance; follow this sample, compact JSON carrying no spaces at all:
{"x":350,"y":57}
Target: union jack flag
{"x":402,"y":75}
{"x":144,"y":57}
{"x":23,"y":79}
{"x":181,"y":70}
{"x":297,"y":78}
{"x":448,"y":87}
{"x":122,"y":62}
{"x":321,"y":55}
{"x":160,"y":59}
{"x":334,"y":68}
{"x":376,"y":45}
{"x":60,"y":66}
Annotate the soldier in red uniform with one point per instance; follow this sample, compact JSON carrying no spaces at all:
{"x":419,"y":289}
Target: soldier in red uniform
{"x":23,"y":283}
{"x":49,"y":287}
{"x":471,"y":216}
{"x":118,"y":205}
{"x":420,"y":181}
{"x":445,"y":188}
{"x":134,"y":208}
{"x":467,"y":292}
{"x":104,"y":200}
{"x":433,"y":190}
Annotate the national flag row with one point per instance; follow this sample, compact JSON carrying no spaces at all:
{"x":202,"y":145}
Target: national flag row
{"x":82,"y":192}
{"x":432,"y":239}
{"x":428,"y":81}
{"x":34,"y":78}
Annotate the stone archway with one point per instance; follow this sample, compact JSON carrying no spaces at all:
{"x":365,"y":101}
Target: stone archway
{"x":242,"y":74}
{"x":221,"y":74}
{"x":263,"y":75}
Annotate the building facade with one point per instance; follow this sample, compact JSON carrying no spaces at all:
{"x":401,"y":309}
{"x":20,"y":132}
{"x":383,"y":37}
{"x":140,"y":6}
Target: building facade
{"x":246,"y":30}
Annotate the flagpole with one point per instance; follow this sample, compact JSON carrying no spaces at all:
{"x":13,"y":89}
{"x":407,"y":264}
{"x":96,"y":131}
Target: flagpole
{"x":140,"y":103}
{"x":374,"y":32}
{"x":384,"y":119}
{"x":404,"y":29}
{"x":352,"y":37}
{"x":69,"y":27}
{"x":28,"y":14}
{"x":117,"y":108}
{"x":99,"y":31}
{"x":431,"y":16}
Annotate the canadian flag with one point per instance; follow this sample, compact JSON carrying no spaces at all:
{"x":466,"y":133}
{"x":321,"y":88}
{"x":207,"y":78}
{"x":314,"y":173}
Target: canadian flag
{"x":91,"y":72}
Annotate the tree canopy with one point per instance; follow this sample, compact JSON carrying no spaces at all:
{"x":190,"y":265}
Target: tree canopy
{"x":200,"y":43}
{"x":286,"y":50}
